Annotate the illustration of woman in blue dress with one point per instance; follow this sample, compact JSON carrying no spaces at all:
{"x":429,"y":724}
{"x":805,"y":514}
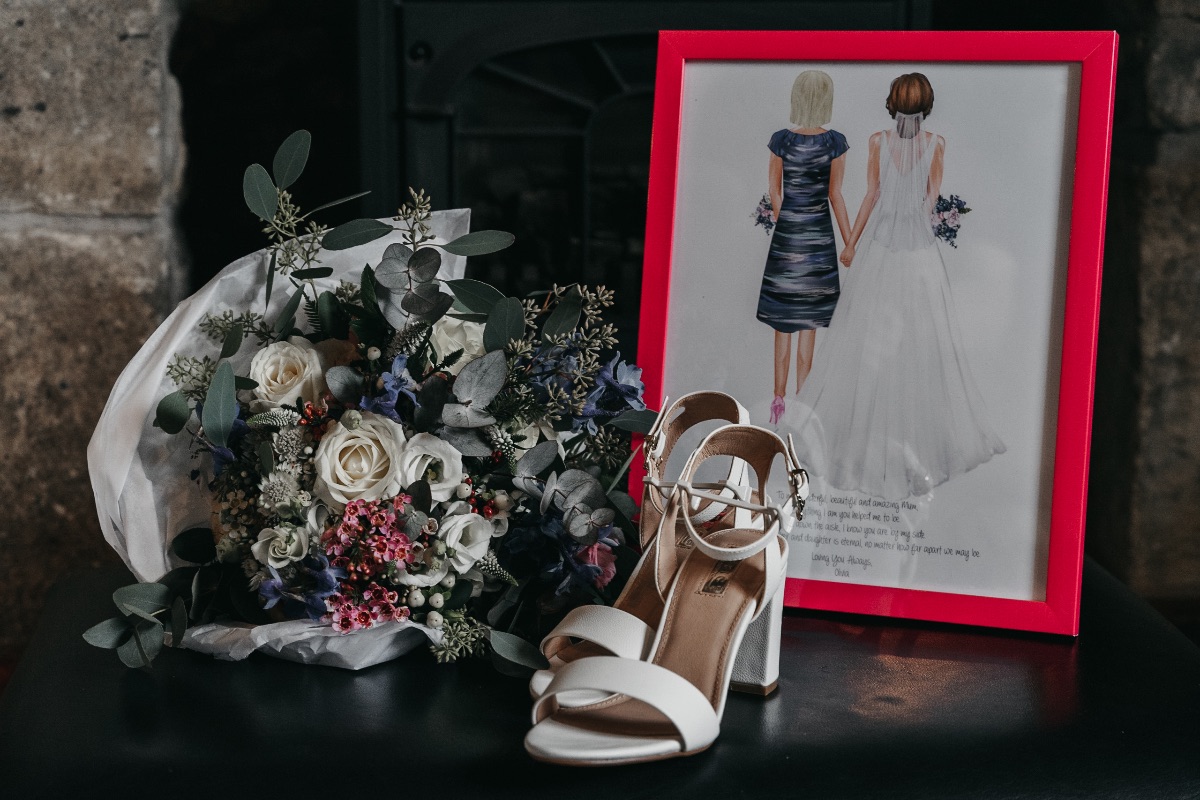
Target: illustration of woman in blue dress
{"x":800,"y":282}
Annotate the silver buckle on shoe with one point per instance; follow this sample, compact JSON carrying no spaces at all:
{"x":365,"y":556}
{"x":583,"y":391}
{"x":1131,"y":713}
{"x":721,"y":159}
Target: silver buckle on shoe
{"x":798,"y":481}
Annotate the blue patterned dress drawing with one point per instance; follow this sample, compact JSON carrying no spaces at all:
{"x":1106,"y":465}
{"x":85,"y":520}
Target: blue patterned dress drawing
{"x":800,"y":283}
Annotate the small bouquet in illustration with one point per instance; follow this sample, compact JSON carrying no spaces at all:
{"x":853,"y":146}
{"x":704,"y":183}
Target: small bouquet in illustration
{"x":763,"y":214}
{"x":947,"y":218}
{"x":404,"y":451}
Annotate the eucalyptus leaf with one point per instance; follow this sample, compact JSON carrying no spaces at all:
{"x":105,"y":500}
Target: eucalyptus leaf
{"x":337,"y":202}
{"x":178,"y":621}
{"x":392,"y":273}
{"x":328,"y":312}
{"x":516,"y":650}
{"x":259,"y":192}
{"x":565,"y":316}
{"x":398,"y":250}
{"x":370,"y":299}
{"x":354,"y":233}
{"x":468,"y":317}
{"x":603,"y":517}
{"x":429,"y":305}
{"x":173,"y":413}
{"x":109,"y":634}
{"x":424,"y":264}
{"x":345,"y":384}
{"x":422,"y":496}
{"x":476,"y":296}
{"x":287,"y":318}
{"x":145,"y":616}
{"x":459,"y":595}
{"x":537,"y":459}
{"x":578,"y":487}
{"x":290,"y":158}
{"x":579,"y":525}
{"x":466,"y":441}
{"x":132,"y":654}
{"x":389,"y":306}
{"x":482,"y":379}
{"x":266,"y":458}
{"x":635,"y":421}
{"x":149,"y":597}
{"x":220,"y":406}
{"x":479,"y":243}
{"x":233,"y":341}
{"x":459,"y":416}
{"x":506,"y":321}
{"x":623,"y":503}
{"x":240,"y":383}
{"x":270,"y":280}
{"x":150,"y":636}
{"x":312,"y":273}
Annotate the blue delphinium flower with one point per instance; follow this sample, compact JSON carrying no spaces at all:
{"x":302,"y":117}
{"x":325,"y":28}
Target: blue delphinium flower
{"x":396,"y":381}
{"x":618,"y":387}
{"x":315,"y":581}
{"x":224,"y":456}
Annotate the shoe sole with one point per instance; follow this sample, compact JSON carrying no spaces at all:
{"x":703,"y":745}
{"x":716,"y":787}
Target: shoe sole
{"x":563,"y":762}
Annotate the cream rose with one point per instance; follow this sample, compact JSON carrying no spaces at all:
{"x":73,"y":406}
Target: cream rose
{"x":278,"y":547}
{"x":438,"y":568}
{"x":288,"y":370}
{"x":450,"y":334}
{"x":425,"y":454}
{"x":359,"y":464}
{"x":467,"y":536}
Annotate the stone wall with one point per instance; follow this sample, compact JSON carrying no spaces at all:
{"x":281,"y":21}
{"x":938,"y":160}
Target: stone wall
{"x":1144,"y":520}
{"x":90,"y":165}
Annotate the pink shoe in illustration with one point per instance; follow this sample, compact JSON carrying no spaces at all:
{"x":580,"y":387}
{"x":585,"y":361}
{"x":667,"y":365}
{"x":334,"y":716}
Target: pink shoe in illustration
{"x":776,"y":409}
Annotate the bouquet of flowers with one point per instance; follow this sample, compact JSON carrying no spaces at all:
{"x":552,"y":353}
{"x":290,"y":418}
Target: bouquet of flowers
{"x":406,"y":451}
{"x":764,"y":215}
{"x":947,"y":218}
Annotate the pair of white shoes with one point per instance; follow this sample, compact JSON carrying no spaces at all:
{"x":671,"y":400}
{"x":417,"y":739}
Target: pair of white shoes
{"x":646,"y":679}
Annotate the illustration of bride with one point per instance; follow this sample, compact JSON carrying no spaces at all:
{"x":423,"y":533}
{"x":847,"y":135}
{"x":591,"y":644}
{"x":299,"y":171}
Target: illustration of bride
{"x":891,"y":401}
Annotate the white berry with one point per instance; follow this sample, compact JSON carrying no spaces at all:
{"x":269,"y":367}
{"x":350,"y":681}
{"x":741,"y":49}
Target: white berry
{"x":416,"y":599}
{"x":433,"y":619}
{"x":373,"y":354}
{"x":436,"y":601}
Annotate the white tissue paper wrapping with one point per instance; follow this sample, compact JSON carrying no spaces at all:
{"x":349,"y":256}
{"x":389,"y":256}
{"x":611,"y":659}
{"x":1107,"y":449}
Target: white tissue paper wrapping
{"x":139,"y":473}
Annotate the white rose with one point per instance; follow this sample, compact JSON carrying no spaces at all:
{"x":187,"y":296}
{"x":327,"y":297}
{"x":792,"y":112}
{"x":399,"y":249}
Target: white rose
{"x":359,"y":464}
{"x":425,"y":454}
{"x":287,"y":370}
{"x":431,"y":576}
{"x":450,"y":334}
{"x":278,"y":547}
{"x":467,"y":534}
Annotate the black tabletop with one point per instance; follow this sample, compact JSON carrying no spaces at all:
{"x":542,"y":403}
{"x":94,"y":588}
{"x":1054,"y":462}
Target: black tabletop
{"x":866,"y":708}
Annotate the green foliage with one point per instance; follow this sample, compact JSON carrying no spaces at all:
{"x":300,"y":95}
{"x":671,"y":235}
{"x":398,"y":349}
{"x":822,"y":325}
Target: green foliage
{"x":259,"y":193}
{"x":287,"y":317}
{"x":220,"y":406}
{"x":191,"y":375}
{"x":354,"y":233}
{"x":233,"y":341}
{"x":476,"y":296}
{"x":565,"y":316}
{"x":195,"y":545}
{"x":173,"y":413}
{"x":635,"y":421}
{"x":290,"y":158}
{"x":516,"y":651}
{"x":139,"y":635}
{"x":479,"y":243}
{"x":506,"y":321}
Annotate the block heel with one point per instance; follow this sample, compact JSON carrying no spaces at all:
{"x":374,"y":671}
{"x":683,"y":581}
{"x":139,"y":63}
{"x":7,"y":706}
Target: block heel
{"x":756,"y":667}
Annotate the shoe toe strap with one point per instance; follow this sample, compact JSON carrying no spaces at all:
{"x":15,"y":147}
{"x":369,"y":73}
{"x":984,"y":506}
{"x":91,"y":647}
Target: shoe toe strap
{"x":612,"y":629}
{"x":685,"y":706}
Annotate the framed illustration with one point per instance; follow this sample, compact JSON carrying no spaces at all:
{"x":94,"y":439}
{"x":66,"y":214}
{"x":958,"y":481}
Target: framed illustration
{"x":888,"y":246}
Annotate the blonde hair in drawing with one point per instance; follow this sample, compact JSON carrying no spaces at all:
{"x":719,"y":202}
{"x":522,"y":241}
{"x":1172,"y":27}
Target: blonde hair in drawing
{"x":812,"y":99}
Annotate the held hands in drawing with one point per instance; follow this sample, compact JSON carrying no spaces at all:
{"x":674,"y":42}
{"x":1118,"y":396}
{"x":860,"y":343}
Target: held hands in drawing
{"x":847,"y":255}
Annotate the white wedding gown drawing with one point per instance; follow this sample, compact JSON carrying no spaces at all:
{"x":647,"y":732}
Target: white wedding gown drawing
{"x":891,"y":404}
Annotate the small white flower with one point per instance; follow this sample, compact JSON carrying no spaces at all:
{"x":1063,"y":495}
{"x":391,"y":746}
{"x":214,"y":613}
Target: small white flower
{"x":450,"y":334}
{"x":428,"y":458}
{"x":286,"y":371}
{"x":467,"y":534}
{"x":278,"y":547}
{"x":360,"y":464}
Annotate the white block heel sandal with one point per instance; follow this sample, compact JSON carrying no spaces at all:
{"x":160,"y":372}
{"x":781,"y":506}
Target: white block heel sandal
{"x":721,"y":617}
{"x":627,"y":628}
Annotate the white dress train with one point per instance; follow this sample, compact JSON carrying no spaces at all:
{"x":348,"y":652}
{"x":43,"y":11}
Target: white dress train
{"x":891,"y":408}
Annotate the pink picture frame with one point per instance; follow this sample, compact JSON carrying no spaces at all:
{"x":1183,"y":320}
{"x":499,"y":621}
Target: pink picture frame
{"x":1091,"y":57}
